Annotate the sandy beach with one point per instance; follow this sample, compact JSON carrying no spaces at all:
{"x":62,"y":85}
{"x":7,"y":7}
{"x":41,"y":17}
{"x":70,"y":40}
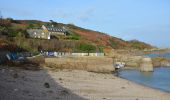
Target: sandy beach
{"x":44,"y":84}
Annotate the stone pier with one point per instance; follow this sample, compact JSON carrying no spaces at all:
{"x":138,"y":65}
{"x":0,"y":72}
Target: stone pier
{"x":146,"y":64}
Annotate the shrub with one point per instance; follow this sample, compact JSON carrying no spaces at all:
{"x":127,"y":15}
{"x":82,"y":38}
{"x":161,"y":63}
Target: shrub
{"x":72,"y":35}
{"x":113,"y":43}
{"x":83,"y":47}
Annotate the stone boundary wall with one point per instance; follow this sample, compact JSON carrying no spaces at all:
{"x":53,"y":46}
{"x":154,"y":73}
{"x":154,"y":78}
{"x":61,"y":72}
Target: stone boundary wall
{"x":94,"y":64}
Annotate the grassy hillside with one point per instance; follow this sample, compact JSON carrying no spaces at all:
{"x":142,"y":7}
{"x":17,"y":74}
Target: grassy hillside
{"x":105,"y":40}
{"x":77,"y":40}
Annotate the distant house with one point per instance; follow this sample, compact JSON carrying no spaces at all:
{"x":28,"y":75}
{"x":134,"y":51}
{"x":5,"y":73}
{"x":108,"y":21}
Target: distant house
{"x":46,"y":32}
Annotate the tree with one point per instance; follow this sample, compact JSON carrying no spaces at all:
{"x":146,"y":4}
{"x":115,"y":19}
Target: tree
{"x":53,"y":23}
{"x":10,"y":19}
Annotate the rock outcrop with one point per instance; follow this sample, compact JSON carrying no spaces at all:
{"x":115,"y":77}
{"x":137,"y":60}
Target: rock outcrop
{"x":160,"y":61}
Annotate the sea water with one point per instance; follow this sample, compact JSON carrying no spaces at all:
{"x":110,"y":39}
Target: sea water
{"x":158,"y":79}
{"x":166,"y":55}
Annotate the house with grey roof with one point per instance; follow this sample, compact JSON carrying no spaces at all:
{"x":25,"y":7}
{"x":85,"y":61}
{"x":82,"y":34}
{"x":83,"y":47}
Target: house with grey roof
{"x":46,"y":32}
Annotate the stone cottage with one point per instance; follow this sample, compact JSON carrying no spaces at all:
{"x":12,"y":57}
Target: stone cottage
{"x":46,"y":32}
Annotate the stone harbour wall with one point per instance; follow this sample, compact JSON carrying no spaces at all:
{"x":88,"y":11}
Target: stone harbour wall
{"x":93,"y":64}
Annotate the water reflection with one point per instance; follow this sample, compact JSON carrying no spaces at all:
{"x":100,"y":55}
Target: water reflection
{"x":147,"y":74}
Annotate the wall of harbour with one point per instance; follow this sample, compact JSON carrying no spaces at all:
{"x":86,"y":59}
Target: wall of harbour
{"x":93,"y":64}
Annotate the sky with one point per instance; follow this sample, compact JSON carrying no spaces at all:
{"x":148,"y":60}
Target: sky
{"x":144,"y":20}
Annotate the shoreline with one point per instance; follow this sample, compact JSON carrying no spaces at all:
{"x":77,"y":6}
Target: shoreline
{"x":123,"y":85}
{"x":156,"y":89}
{"x":72,"y":84}
{"x":143,"y":84}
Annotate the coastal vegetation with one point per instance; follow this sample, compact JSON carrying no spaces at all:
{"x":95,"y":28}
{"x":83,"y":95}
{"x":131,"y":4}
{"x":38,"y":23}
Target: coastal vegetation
{"x":77,"y":39}
{"x":84,"y":47}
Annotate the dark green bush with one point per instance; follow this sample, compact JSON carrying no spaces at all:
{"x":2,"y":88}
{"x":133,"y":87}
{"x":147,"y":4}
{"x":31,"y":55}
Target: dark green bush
{"x":83,"y":47}
{"x":72,"y":35}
